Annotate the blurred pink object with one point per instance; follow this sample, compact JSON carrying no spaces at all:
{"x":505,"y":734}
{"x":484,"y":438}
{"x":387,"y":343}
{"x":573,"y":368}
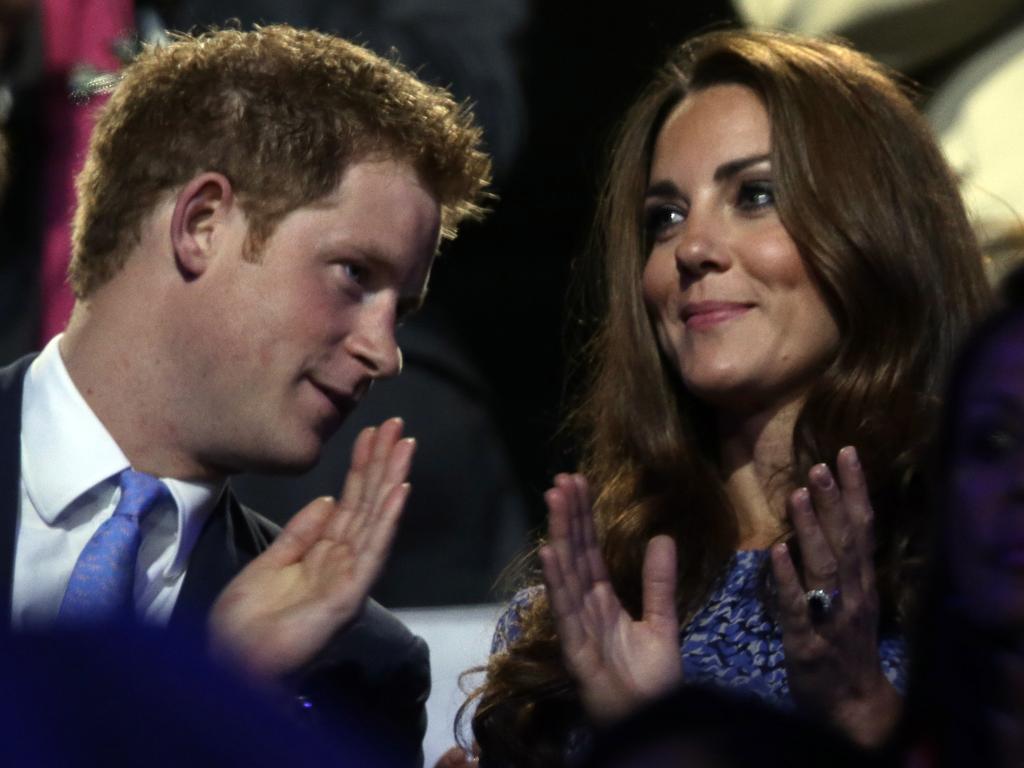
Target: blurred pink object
{"x":77,"y":34}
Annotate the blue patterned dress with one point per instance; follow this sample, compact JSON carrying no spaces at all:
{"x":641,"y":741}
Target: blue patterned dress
{"x":732,"y":642}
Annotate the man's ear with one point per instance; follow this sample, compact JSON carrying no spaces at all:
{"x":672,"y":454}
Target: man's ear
{"x":201,"y":208}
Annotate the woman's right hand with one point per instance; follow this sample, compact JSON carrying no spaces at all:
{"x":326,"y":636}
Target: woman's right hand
{"x":618,"y":663}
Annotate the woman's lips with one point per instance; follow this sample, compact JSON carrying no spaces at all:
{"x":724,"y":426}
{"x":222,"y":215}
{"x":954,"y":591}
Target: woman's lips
{"x":706,"y":314}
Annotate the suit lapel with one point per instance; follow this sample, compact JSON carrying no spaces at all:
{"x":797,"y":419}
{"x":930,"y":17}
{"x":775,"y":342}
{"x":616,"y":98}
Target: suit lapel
{"x":12,"y":380}
{"x":230,"y":539}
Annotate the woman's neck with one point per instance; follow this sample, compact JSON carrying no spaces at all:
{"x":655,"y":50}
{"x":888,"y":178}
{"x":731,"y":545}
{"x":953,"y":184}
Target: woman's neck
{"x":756,"y":452}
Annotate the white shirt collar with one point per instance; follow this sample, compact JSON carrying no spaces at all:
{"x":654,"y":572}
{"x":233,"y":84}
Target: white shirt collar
{"x":66,"y":451}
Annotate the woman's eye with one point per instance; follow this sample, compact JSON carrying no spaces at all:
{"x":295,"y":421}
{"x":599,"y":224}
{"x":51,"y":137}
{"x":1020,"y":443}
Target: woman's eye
{"x":660,"y":218}
{"x":755,"y":195}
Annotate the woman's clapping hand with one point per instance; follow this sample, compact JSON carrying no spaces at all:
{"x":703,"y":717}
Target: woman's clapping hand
{"x":617,"y":662}
{"x":829,"y":612}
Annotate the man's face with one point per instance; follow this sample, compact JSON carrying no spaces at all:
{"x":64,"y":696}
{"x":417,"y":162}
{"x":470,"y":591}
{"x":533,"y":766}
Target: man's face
{"x":292,"y":341}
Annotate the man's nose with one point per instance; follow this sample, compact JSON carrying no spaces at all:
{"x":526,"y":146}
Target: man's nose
{"x":373,"y":343}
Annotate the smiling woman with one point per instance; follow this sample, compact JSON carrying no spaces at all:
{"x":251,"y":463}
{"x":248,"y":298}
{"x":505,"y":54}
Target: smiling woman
{"x":782,"y":270}
{"x":735,"y":310}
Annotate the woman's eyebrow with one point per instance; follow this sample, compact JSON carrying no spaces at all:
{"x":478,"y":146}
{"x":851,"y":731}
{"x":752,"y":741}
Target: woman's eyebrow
{"x":724,"y":171}
{"x":662,"y":189}
{"x":731,"y":168}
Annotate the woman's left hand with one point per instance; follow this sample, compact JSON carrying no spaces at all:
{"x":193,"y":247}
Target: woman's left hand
{"x":829,"y":617}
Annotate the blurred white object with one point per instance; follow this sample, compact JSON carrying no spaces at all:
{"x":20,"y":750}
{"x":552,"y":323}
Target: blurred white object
{"x":977,"y":110}
{"x":459,"y":638}
{"x":902,"y":33}
{"x":977,"y":113}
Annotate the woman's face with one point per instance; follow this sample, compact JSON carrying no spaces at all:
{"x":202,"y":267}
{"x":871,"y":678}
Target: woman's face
{"x":987,"y":536}
{"x":734,"y":307}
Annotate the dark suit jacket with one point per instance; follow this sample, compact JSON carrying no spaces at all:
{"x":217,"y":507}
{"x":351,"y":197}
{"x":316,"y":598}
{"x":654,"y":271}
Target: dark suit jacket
{"x":375,"y":671}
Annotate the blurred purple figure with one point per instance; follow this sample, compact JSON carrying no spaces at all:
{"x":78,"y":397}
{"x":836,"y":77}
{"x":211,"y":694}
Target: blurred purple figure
{"x":967,"y":703}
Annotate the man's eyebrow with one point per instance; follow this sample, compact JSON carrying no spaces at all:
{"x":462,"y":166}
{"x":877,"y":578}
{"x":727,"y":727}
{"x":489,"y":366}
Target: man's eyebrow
{"x":376,"y":258}
{"x":373,"y":254}
{"x":731,"y":168}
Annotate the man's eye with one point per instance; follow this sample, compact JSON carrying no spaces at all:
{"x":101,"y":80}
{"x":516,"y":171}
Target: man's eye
{"x":355,"y":272}
{"x":659,"y":218}
{"x":755,"y":195}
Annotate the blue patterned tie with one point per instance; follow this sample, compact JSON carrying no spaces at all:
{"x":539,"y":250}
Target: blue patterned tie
{"x":103,"y":579}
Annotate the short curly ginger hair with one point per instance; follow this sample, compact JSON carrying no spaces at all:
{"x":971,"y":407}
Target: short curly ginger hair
{"x":281,"y":112}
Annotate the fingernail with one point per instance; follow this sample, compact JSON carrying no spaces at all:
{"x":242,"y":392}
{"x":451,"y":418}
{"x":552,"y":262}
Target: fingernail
{"x":851,"y":456}
{"x":821,"y":476}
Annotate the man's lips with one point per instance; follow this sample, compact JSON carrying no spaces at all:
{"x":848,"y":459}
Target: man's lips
{"x":704,"y":314}
{"x":342,"y":401}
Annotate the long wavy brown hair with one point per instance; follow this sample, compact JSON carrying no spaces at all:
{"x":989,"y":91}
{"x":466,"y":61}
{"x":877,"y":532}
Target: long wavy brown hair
{"x":864,"y":192}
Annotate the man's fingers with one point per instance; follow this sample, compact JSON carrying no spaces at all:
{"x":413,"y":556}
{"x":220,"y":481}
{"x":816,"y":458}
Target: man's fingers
{"x":303,"y":531}
{"x":659,"y":582}
{"x":381,"y":534}
{"x":388,"y":434}
{"x":352,"y":491}
{"x":396,"y":472}
{"x":373,"y":457}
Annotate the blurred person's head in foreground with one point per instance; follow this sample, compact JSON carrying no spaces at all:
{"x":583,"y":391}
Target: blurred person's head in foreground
{"x":695,"y":727}
{"x":967,"y":697}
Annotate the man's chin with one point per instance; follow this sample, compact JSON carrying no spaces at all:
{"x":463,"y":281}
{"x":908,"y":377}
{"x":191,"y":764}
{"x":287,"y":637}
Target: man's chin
{"x":287,"y":461}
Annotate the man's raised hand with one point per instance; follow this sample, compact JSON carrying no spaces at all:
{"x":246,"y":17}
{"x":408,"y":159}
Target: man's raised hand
{"x":279,"y":611}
